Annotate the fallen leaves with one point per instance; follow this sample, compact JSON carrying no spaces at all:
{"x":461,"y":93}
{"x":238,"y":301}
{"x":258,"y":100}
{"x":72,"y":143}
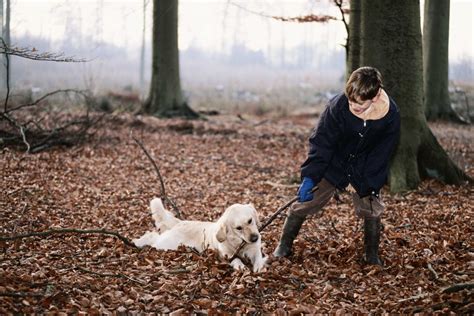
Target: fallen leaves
{"x":107,"y":184}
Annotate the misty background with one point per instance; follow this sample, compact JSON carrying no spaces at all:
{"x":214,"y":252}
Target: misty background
{"x":233,"y":55}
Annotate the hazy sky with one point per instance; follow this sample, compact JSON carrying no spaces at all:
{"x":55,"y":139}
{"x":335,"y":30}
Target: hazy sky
{"x":210,"y":25}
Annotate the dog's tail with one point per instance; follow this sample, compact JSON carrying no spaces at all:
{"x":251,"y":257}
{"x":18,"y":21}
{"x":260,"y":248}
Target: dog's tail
{"x":164,"y":219}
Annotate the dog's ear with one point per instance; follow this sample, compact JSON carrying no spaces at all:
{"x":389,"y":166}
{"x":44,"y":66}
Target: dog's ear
{"x":221,"y":234}
{"x":255,"y":215}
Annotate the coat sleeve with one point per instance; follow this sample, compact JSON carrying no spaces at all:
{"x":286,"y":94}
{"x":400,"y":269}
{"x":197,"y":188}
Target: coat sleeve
{"x":378,"y":161}
{"x":322,"y":144}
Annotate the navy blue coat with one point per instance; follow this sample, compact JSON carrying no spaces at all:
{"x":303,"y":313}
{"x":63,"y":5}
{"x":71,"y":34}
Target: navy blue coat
{"x":345,"y":149}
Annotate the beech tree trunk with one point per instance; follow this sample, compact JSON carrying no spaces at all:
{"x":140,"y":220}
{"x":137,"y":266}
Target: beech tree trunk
{"x":165,"y":97}
{"x":353,"y":38}
{"x":391,"y":42}
{"x":435,"y":60}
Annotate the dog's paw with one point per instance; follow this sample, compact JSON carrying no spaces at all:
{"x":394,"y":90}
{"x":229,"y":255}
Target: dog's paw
{"x":137,"y":242}
{"x":260,"y":265}
{"x":237,"y":264}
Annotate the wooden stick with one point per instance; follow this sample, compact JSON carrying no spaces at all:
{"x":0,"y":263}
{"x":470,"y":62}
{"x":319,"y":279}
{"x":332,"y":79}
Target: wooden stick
{"x":69,"y":230}
{"x":162,"y":183}
{"x":457,"y":287}
{"x":432,"y":271}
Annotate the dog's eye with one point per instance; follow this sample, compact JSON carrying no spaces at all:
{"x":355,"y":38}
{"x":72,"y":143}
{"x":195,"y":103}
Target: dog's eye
{"x":249,"y":221}
{"x":239,"y":228}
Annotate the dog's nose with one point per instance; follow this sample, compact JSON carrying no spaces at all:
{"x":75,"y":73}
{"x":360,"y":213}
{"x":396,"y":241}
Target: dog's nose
{"x":253,"y":237}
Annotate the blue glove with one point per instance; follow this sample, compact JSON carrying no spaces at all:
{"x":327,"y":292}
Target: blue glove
{"x":304,"y":192}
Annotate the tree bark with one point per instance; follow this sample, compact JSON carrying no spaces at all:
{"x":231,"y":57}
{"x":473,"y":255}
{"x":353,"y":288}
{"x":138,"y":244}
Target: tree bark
{"x":435,"y":60}
{"x":142,"y":51}
{"x":391,"y":42}
{"x":165,"y":97}
{"x":353,"y":38}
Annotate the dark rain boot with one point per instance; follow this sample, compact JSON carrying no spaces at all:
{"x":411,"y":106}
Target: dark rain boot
{"x":372,"y":240}
{"x":290,"y":231}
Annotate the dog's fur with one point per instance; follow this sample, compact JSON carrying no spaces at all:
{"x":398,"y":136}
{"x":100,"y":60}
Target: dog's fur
{"x":238,"y":223}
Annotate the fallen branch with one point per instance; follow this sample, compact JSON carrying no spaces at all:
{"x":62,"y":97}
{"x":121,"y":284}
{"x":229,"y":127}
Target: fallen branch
{"x":432,"y":271}
{"x":118,"y":275}
{"x":457,"y":287}
{"x":69,"y":230}
{"x":402,"y":226}
{"x":280,"y":185}
{"x":416,"y":297}
{"x":21,"y":294}
{"x":163,"y":191}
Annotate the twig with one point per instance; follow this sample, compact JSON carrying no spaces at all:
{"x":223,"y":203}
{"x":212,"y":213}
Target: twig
{"x":334,"y":227}
{"x":118,"y":275}
{"x":69,"y":230}
{"x":299,"y":19}
{"x":279,"y":185}
{"x":20,"y":294}
{"x":7,"y":66}
{"x":432,"y":271}
{"x":33,"y":54}
{"x":416,"y":297}
{"x":163,"y":191}
{"x":457,"y":287}
{"x":402,"y":226}
{"x":36,"y":102}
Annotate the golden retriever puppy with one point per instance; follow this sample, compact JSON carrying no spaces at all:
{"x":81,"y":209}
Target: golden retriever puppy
{"x":238,"y":224}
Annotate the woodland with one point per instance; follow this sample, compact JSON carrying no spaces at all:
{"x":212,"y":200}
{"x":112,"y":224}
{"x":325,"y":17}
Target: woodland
{"x":77,"y":178}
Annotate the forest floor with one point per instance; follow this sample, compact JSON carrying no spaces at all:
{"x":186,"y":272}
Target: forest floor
{"x":107,"y":183}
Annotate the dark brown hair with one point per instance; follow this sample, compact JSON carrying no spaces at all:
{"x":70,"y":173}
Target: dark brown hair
{"x":363,"y":84}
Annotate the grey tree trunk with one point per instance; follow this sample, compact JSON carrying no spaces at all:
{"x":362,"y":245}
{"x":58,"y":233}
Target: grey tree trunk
{"x":142,"y":52}
{"x":435,"y":60}
{"x":165,"y":97}
{"x":6,"y":30}
{"x":391,"y":42}
{"x":353,"y":38}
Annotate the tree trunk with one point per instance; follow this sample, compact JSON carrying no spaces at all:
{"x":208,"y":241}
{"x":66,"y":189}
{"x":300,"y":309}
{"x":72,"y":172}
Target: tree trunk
{"x":391,"y":42}
{"x":435,"y":60}
{"x":142,"y":52}
{"x":6,"y":30}
{"x":353,"y":38}
{"x":165,"y":97}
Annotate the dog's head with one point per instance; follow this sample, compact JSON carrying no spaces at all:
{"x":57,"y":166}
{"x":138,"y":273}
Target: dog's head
{"x":239,"y":221}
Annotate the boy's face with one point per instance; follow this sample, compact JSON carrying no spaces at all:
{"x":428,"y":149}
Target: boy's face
{"x":360,"y":106}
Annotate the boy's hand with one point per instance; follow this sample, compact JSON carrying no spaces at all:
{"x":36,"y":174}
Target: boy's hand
{"x":304,"y":191}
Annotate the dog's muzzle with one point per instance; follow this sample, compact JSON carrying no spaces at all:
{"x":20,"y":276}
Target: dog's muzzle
{"x":254,"y":237}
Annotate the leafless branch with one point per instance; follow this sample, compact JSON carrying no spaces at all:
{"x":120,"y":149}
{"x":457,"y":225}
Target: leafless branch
{"x":61,"y":231}
{"x":162,"y":183}
{"x":37,"y":101}
{"x":33,"y":54}
{"x":458,"y":287}
{"x":299,"y":19}
{"x":430,"y":267}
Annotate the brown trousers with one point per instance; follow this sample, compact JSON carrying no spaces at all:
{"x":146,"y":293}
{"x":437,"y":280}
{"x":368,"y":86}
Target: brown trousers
{"x":366,"y":207}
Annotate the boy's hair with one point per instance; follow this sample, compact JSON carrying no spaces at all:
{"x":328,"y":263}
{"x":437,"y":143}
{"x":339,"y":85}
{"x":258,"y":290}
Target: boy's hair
{"x":364,"y":84}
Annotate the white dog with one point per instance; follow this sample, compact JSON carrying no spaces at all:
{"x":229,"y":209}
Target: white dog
{"x":238,"y":224}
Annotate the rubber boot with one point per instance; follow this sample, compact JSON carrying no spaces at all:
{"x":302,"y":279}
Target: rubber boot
{"x":372,"y":240}
{"x":290,"y":231}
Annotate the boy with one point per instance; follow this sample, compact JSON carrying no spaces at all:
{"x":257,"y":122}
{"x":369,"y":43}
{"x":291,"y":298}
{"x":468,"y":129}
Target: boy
{"x":352,"y":144}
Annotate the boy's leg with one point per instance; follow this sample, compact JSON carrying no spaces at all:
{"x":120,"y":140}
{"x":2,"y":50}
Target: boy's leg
{"x":298,"y":213}
{"x":370,"y":208}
